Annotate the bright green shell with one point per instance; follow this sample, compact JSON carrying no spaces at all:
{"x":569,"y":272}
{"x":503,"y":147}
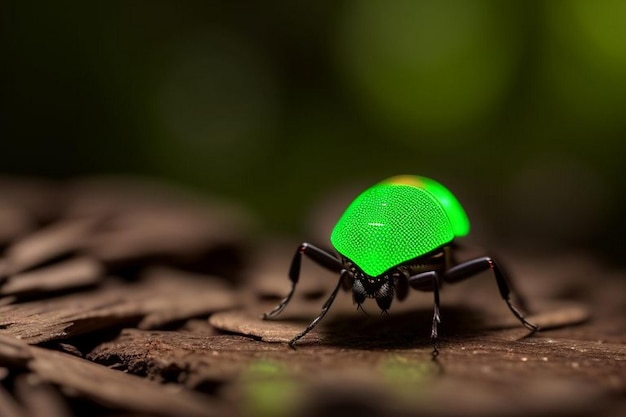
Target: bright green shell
{"x":398,"y":220}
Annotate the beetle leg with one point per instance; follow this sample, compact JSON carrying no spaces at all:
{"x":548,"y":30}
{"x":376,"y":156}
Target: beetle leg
{"x":325,"y":309}
{"x":430,"y":279}
{"x":470,"y":268}
{"x":318,"y":255}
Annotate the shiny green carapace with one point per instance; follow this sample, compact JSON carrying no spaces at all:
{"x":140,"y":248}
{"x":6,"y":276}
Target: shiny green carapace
{"x":397,"y":220}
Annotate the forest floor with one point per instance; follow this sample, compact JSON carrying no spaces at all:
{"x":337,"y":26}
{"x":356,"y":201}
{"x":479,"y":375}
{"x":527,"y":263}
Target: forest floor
{"x":124,"y":298}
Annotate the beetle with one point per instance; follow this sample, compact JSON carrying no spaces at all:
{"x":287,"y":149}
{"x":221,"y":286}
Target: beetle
{"x":396,"y":235}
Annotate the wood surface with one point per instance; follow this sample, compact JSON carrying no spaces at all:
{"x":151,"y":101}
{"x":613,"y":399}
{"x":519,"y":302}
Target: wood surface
{"x":129,"y":298}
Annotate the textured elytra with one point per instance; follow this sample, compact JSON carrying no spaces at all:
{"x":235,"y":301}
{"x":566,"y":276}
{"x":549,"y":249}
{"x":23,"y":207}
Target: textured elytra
{"x":454,"y":209}
{"x":394,"y":222}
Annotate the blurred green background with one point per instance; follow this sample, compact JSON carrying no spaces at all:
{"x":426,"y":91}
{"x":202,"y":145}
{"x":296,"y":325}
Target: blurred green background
{"x":517,"y":106}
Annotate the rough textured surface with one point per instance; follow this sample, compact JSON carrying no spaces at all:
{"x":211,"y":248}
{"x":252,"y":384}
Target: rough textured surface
{"x":105,"y":311}
{"x":110,"y":387}
{"x":158,"y":299}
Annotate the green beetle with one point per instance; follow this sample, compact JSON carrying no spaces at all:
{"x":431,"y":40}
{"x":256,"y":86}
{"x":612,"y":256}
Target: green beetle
{"x":395,"y":235}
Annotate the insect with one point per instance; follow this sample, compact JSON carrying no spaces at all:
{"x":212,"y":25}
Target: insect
{"x":396,"y":235}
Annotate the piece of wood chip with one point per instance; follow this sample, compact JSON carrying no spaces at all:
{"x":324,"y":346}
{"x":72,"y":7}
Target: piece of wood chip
{"x":548,"y":316}
{"x":46,"y":244}
{"x":157,"y":299}
{"x":14,"y":223}
{"x":198,"y":361}
{"x":251,"y":324}
{"x":200,"y":296}
{"x":116,"y":389}
{"x":72,"y":273}
{"x":120,"y":390}
{"x":39,"y":398}
{"x":9,"y":407}
{"x":146,"y":219}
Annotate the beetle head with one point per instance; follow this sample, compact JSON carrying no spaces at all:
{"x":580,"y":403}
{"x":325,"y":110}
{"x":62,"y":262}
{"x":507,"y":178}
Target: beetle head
{"x":380,"y":288}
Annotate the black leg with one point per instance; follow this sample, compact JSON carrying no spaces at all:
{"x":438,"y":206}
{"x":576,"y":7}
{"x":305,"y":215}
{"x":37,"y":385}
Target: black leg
{"x":426,"y":280}
{"x":470,"y":268}
{"x":325,"y":309}
{"x":318,"y":255}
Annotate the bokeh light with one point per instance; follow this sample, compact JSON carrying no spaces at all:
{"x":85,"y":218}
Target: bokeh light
{"x":429,"y":66}
{"x":277,"y":106}
{"x":585,"y":61}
